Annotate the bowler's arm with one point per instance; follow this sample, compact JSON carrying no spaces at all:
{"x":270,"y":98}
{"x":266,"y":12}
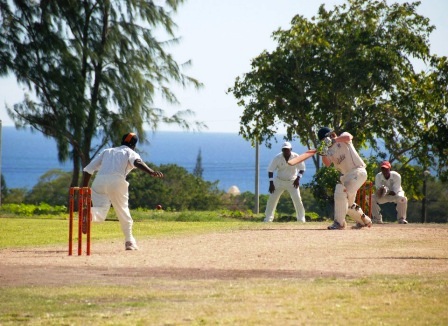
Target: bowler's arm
{"x":139,"y":164}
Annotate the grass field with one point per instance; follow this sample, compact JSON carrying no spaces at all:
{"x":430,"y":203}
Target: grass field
{"x":411,"y":288}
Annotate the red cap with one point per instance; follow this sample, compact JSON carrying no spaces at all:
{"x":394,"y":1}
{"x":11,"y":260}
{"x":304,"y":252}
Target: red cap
{"x":385,"y":164}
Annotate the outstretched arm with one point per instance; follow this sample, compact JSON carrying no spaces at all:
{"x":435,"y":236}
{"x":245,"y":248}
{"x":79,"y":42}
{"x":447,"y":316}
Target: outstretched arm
{"x":345,"y":137}
{"x":139,"y":164}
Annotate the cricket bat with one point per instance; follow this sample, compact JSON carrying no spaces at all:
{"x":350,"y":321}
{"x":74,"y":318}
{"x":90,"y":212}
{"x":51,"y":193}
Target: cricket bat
{"x":302,"y":157}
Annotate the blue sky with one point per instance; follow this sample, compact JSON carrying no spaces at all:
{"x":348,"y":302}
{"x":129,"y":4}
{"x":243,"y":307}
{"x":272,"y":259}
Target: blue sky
{"x":221,"y":38}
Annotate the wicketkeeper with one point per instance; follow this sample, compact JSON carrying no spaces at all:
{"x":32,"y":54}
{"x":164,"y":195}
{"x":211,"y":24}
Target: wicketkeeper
{"x":388,"y":189}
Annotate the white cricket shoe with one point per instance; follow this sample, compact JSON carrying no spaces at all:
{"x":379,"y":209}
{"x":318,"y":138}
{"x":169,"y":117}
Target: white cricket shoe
{"x":377,"y":220}
{"x":131,"y":246}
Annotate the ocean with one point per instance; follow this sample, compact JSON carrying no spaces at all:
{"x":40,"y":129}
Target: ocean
{"x":226,"y":157}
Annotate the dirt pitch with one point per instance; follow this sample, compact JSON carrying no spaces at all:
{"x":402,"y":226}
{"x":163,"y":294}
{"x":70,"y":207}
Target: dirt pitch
{"x":277,"y":250}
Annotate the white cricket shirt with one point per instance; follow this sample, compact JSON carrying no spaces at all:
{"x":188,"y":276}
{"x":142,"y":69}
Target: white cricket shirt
{"x":285,"y":171}
{"x":344,"y":156}
{"x":113,"y":161}
{"x":393,"y":183}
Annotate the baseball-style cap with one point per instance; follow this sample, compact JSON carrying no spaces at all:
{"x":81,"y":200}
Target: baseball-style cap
{"x":129,"y":139}
{"x":287,"y":144}
{"x":385,"y":164}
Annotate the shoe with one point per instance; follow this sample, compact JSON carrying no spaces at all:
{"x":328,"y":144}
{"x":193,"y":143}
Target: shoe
{"x":367,"y":221}
{"x":359,"y":226}
{"x":377,"y":220}
{"x":336,"y":226}
{"x":303,"y":220}
{"x":131,"y":246}
{"x":402,"y":221}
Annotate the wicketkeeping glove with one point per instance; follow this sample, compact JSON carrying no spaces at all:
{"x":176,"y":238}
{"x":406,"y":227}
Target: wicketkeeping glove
{"x":382,"y":191}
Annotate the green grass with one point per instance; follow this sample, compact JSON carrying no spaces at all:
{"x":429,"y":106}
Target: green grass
{"x":381,"y":300}
{"x":53,"y":229}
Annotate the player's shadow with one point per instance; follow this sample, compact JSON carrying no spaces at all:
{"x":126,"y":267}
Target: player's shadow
{"x":291,"y":218}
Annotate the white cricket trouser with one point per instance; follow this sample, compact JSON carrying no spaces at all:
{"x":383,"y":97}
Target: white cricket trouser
{"x":112,"y":189}
{"x":280,"y":187}
{"x":345,"y":195}
{"x":400,"y":199}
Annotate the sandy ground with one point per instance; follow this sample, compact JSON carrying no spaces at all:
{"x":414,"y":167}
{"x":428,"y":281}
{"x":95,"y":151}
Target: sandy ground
{"x":279,"y":250}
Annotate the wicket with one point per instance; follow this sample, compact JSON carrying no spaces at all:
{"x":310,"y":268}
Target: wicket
{"x":364,"y":197}
{"x":84,"y":203}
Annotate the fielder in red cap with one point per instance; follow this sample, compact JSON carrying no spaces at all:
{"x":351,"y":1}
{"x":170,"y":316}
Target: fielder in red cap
{"x":388,"y":189}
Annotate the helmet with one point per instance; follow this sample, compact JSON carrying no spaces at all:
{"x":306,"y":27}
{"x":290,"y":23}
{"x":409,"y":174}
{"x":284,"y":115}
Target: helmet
{"x":323,"y":132}
{"x":129,"y":139}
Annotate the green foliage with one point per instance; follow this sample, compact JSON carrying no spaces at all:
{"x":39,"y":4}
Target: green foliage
{"x":322,"y":187}
{"x":350,"y":68}
{"x":15,"y":195}
{"x":30,"y":210}
{"x":244,"y":201}
{"x":198,"y":169}
{"x":437,"y":204}
{"x":238,"y":214}
{"x":243,"y":204}
{"x":52,"y":188}
{"x":3,"y":189}
{"x":178,"y":190}
{"x":141,"y":214}
{"x":92,"y":68}
{"x":313,"y":217}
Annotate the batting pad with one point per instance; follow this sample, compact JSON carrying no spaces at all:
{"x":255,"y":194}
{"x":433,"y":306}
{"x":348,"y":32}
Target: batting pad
{"x":402,"y":207}
{"x":340,"y":204}
{"x":356,"y":213}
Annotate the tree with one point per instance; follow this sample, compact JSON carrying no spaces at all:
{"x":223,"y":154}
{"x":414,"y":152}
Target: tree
{"x":3,"y":189}
{"x":93,"y":68}
{"x":198,"y":170}
{"x":351,"y":68}
{"x":178,"y":190}
{"x":51,"y":189}
{"x":322,"y":187}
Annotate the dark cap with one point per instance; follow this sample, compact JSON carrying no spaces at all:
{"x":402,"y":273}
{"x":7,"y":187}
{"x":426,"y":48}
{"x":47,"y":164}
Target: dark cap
{"x":129,"y":139}
{"x":323,"y":132}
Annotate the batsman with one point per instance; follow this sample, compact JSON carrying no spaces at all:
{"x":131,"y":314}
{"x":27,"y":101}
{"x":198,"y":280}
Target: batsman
{"x":339,"y":151}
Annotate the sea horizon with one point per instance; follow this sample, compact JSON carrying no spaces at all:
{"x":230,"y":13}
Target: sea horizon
{"x":226,"y":157}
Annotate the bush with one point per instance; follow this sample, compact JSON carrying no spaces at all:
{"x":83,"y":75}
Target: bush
{"x":51,"y":188}
{"x":177,"y":191}
{"x":30,"y":209}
